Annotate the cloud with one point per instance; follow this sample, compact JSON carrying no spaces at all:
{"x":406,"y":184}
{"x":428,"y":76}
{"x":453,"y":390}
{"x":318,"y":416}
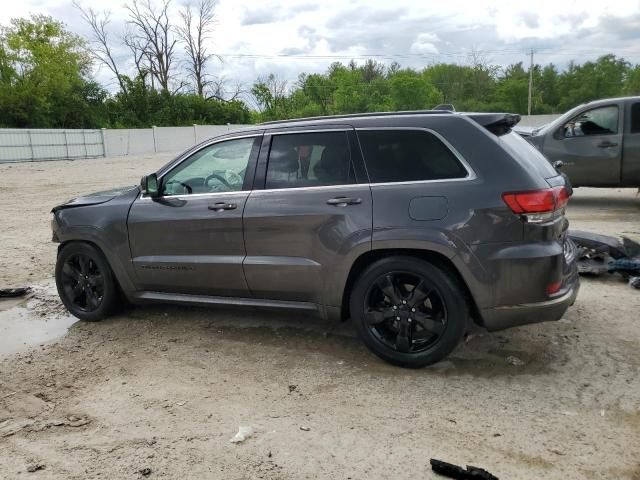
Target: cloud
{"x":425,"y":43}
{"x":530,"y":19}
{"x":313,"y":34}
{"x":261,"y":16}
{"x":274,"y":13}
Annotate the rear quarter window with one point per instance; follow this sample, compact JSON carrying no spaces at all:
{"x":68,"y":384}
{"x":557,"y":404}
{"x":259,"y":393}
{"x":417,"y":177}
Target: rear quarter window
{"x":407,"y":156}
{"x":526,"y":154}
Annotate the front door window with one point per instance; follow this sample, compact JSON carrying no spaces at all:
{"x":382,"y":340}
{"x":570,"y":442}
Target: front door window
{"x":598,"y":121}
{"x":217,"y":168}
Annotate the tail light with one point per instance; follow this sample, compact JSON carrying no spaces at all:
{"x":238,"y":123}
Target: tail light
{"x":553,"y":288}
{"x":537,"y":206}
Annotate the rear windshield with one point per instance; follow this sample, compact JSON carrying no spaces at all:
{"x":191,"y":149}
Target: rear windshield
{"x":525,"y":154}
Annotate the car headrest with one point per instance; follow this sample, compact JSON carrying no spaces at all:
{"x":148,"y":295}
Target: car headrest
{"x":332,"y":164}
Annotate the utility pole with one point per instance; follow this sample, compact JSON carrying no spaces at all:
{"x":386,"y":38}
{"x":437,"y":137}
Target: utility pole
{"x":530,"y":83}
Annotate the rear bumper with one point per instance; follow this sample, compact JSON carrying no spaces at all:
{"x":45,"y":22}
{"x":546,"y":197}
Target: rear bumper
{"x":499,"y":318}
{"x":522,"y":281}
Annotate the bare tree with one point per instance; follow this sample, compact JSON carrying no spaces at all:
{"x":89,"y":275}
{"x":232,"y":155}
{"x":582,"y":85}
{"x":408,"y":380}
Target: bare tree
{"x":100,"y":43}
{"x":139,"y":52}
{"x":219,"y":89}
{"x":152,"y":35}
{"x":194,"y":31}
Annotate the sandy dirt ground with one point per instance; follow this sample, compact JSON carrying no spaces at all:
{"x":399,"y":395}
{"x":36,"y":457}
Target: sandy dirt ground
{"x":158,"y":392}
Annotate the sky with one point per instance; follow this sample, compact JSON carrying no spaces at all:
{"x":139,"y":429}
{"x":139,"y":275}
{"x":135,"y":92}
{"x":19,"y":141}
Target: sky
{"x":258,"y":37}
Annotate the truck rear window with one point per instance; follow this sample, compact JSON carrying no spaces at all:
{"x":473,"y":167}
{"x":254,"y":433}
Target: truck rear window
{"x":525,"y":154}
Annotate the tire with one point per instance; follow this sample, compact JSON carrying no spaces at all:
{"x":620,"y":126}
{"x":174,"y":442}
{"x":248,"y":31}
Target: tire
{"x":422,"y":330}
{"x":85,"y":282}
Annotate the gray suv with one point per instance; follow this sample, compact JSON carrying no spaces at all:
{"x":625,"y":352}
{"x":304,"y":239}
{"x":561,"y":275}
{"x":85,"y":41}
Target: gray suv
{"x":413,"y":224}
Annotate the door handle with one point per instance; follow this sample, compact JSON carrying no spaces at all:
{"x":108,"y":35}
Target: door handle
{"x":219,"y":206}
{"x":344,"y":201}
{"x":607,"y":144}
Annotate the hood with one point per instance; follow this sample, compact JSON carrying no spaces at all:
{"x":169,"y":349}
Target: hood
{"x":94,"y":198}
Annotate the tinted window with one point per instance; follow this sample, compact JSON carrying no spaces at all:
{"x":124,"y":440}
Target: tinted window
{"x":635,"y":118}
{"x":598,"y":121}
{"x":526,"y":154}
{"x":407,"y":155}
{"x":220,"y":167}
{"x":309,"y":159}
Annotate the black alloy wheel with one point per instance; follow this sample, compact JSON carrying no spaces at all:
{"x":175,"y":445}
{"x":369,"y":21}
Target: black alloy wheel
{"x":408,"y":311}
{"x":405,"y":312}
{"x":85,"y":282}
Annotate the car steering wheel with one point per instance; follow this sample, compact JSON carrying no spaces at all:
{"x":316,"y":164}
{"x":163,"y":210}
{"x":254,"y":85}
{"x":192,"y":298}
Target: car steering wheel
{"x":218,"y":177}
{"x":188,"y":188}
{"x":225,"y":180}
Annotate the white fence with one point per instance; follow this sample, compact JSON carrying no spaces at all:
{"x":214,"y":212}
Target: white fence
{"x":24,"y":145}
{"x":160,"y":139}
{"x":29,"y":145}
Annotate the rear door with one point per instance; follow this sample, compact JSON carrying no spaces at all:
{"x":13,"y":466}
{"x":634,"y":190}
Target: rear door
{"x":310,"y":212}
{"x":189,"y":240}
{"x":631,"y":149}
{"x":590,"y":146}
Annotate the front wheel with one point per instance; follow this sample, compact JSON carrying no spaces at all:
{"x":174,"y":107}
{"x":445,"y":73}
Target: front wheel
{"x":85,"y":282}
{"x":408,"y":311}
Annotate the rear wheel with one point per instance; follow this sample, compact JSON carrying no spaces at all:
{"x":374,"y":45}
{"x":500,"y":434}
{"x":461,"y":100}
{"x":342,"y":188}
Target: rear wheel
{"x":85,"y":282}
{"x":408,"y":311}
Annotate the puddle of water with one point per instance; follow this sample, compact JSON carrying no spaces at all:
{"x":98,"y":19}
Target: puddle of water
{"x":32,"y":321}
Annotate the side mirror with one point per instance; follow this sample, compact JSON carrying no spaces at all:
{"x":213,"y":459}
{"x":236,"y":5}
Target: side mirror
{"x":558,"y":164}
{"x":149,"y":185}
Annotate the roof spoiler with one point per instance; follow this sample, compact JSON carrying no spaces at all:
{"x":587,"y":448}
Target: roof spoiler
{"x":445,"y":106}
{"x":497,"y":123}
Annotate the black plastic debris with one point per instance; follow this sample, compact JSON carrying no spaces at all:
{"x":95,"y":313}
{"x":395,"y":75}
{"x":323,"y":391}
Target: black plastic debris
{"x":629,"y":266}
{"x":14,"y":292}
{"x":599,"y":254}
{"x":35,"y":467}
{"x":603,"y":244}
{"x":454,"y":471}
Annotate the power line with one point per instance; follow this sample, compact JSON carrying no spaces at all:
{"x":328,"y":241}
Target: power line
{"x":462,"y":53}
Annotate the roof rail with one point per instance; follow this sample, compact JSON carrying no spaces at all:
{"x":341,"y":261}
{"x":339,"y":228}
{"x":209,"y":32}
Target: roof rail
{"x":359,"y":115}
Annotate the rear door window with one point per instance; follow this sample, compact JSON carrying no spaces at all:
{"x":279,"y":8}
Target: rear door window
{"x":309,"y":160}
{"x":408,"y":156}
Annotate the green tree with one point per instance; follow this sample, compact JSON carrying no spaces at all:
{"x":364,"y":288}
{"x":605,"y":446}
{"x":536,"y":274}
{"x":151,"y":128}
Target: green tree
{"x":44,"y":76}
{"x":632,"y":81}
{"x":412,"y":91}
{"x":592,"y":80}
{"x":512,"y":90}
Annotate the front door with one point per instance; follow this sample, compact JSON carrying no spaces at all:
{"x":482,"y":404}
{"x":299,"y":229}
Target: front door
{"x":590,"y":146}
{"x":189,"y":240}
{"x":303,"y":230}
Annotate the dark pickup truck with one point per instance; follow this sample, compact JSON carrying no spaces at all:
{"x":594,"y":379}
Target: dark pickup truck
{"x":598,"y":143}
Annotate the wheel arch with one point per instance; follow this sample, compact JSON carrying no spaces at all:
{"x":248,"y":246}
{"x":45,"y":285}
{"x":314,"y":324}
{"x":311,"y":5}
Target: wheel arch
{"x":435,"y":258}
{"x":120,"y":275}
